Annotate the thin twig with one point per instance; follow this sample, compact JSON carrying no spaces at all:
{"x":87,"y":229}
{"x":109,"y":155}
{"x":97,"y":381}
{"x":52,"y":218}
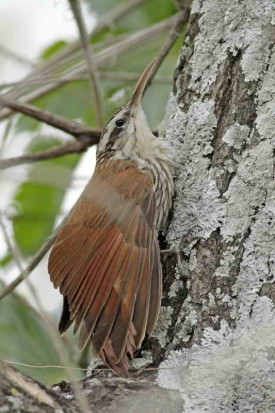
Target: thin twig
{"x":129,"y":77}
{"x":83,"y":404}
{"x":50,"y":366}
{"x":108,"y":21}
{"x":17,"y":259}
{"x":101,"y":59}
{"x":92,"y":69}
{"x":8,"y":242}
{"x":32,"y":264}
{"x":125,"y":44}
{"x":52,"y":153}
{"x":57,"y":342}
{"x":120,"y":76}
{"x":73,"y":128}
{"x":14,"y":55}
{"x":34,"y":261}
{"x":52,"y":74}
{"x":53,"y":64}
{"x":104,"y":22}
{"x":141,"y":369}
{"x":176,"y":30}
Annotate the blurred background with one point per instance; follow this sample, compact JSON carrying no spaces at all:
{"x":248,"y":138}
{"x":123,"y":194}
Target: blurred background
{"x":38,"y":53}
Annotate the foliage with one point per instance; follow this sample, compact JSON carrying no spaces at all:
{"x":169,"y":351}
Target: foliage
{"x":39,"y":198}
{"x":26,"y":339}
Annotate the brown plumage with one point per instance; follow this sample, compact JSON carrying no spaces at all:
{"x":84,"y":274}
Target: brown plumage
{"x":106,"y":259}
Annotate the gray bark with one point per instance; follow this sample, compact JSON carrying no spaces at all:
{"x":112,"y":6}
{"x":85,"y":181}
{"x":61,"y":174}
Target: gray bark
{"x":215,"y":338}
{"x":220,"y":120}
{"x":19,"y":393}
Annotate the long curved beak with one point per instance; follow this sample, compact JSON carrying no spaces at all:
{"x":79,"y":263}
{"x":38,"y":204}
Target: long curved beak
{"x":141,"y":85}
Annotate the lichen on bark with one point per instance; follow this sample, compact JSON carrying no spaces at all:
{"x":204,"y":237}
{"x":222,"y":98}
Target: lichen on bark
{"x":220,"y":121}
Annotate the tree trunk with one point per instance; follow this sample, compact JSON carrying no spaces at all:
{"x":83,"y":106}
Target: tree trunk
{"x":216,"y":334}
{"x":218,"y":314}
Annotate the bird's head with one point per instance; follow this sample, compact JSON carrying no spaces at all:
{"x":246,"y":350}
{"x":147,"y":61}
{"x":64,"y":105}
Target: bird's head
{"x":127,"y":130}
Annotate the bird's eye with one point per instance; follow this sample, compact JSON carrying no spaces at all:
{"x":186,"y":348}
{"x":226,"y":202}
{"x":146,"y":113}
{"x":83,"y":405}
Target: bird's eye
{"x":120,"y":122}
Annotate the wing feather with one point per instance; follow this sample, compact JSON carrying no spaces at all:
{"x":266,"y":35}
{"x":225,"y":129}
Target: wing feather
{"x":120,"y":330}
{"x":111,"y":310}
{"x":91,"y":290}
{"x":140,"y":315}
{"x":89,"y":274}
{"x":106,"y":263}
{"x":156,"y":291}
{"x":95,"y":306}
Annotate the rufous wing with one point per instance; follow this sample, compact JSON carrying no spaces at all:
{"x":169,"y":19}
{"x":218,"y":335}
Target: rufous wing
{"x":106,"y":263}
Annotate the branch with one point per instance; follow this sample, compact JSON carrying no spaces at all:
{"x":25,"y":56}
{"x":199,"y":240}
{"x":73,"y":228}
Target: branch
{"x":102,"y":24}
{"x":105,"y":393}
{"x":52,"y":153}
{"x":108,"y":21}
{"x":92,"y":69}
{"x":30,"y":267}
{"x":125,"y":76}
{"x":181,"y":19}
{"x":66,"y":125}
{"x":31,"y":395}
{"x":19,"y":58}
{"x":57,"y":341}
{"x":108,"y":393}
{"x":80,"y":397}
{"x":8,"y":242}
{"x":101,"y":59}
{"x":120,"y":76}
{"x":75,"y":129}
{"x":105,"y":22}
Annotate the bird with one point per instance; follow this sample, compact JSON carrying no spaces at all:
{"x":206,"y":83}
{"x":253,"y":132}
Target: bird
{"x":106,"y":258}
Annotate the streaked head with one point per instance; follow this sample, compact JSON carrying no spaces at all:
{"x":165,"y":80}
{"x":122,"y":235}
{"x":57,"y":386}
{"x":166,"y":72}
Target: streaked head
{"x":126,"y":126}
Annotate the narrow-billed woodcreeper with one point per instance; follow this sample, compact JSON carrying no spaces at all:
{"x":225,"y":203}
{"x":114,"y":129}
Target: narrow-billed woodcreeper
{"x":106,"y":259}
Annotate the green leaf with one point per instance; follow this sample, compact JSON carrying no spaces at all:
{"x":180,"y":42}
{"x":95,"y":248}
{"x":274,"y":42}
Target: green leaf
{"x":52,"y":49}
{"x":102,"y":7}
{"x":26,"y":123}
{"x":5,"y":260}
{"x":70,"y":101}
{"x":39,"y":199}
{"x":151,"y":12}
{"x":25,"y":339}
{"x":147,"y":13}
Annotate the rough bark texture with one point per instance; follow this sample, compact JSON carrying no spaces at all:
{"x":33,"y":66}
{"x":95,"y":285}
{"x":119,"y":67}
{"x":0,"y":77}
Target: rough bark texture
{"x":102,"y":392}
{"x":221,"y":122}
{"x":216,"y":334}
{"x":107,"y":393}
{"x":19,"y":393}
